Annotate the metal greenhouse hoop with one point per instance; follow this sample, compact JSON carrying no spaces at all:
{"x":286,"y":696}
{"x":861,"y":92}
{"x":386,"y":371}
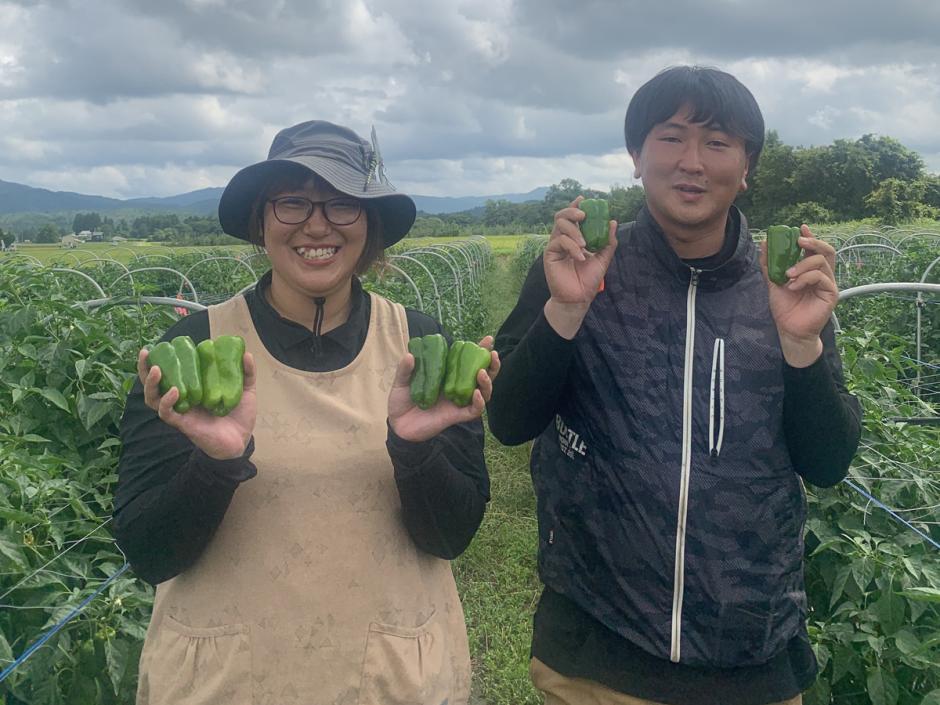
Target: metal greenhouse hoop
{"x":160,"y":269}
{"x":437,"y":296}
{"x":81,"y":274}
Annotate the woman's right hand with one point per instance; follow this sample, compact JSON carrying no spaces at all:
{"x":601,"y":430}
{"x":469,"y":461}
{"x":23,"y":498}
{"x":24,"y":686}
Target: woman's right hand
{"x":574,"y":275}
{"x":219,"y":437}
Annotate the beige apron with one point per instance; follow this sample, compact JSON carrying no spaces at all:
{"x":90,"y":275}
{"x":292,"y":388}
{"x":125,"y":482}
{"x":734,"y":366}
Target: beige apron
{"x":311,"y":590}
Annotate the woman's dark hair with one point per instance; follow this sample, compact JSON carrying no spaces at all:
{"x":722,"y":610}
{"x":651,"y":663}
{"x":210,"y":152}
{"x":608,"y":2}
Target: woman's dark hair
{"x":716,"y":98}
{"x":294,"y":177}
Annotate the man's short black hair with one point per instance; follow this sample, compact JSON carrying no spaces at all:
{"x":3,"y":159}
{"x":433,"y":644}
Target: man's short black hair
{"x":715,"y":97}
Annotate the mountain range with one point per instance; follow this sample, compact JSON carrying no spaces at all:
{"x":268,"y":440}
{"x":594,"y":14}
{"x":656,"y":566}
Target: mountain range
{"x":19,"y":198}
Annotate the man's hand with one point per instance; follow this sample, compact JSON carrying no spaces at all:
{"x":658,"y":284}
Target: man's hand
{"x":574,"y":275}
{"x":802,"y":307}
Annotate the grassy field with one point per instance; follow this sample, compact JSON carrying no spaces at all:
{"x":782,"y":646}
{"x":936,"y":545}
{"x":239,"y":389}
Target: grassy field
{"x":133,"y":249}
{"x":497,"y":574}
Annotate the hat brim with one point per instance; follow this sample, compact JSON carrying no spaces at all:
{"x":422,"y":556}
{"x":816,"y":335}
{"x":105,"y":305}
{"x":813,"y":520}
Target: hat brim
{"x":397,"y":210}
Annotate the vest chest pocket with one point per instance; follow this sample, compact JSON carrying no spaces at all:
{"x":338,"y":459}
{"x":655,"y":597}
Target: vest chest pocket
{"x":196,"y":666}
{"x":406,"y":666}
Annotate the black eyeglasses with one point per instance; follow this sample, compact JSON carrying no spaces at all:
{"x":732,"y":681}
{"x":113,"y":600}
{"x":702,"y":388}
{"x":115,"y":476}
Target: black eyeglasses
{"x":294,"y":210}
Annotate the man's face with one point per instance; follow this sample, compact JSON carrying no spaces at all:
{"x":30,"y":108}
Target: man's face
{"x":691,"y":173}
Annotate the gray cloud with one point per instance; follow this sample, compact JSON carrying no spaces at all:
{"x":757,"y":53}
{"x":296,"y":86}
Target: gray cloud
{"x":152,"y":98}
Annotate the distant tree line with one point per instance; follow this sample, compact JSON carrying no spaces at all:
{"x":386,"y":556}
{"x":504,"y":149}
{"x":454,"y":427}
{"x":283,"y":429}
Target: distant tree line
{"x":871,"y":177}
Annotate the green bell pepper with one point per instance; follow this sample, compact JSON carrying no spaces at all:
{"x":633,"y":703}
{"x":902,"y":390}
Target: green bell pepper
{"x":430,"y":353}
{"x":595,"y":226}
{"x":179,"y":367}
{"x":783,"y":251}
{"x":464,"y":361}
{"x":223,"y":376}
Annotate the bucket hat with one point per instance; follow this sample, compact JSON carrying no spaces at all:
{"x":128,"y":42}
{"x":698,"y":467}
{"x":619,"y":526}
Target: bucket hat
{"x":350,"y":164}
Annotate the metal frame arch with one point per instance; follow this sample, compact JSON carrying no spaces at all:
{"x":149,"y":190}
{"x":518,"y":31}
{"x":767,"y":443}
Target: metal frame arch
{"x":450,"y":265}
{"x":67,"y":253}
{"x":126,"y":249}
{"x":16,"y":254}
{"x":919,"y":303}
{"x":389,"y":265}
{"x":159,"y":269}
{"x":851,"y":241}
{"x":81,"y":274}
{"x":216,"y":259}
{"x":450,"y":246}
{"x":863,"y":246}
{"x":153,"y":300}
{"x":437,"y":295}
{"x":153,"y":255}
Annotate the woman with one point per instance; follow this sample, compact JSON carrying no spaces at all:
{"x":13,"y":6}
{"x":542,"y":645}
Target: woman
{"x":300,"y":544}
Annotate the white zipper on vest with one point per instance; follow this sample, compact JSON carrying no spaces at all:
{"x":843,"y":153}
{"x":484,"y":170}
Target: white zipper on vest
{"x":678,"y":583}
{"x":718,"y":375}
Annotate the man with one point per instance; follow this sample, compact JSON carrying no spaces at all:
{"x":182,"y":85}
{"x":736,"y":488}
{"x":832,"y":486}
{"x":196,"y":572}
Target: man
{"x":677,"y":397}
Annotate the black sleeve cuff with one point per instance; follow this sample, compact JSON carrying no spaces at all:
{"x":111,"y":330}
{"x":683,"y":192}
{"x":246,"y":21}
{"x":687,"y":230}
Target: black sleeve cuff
{"x":810,"y":380}
{"x":226,"y":473}
{"x":410,"y":458}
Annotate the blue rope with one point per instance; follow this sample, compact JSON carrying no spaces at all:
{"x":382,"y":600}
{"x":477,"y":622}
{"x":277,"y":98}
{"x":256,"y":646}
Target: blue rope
{"x":52,"y":632}
{"x":892,"y":513}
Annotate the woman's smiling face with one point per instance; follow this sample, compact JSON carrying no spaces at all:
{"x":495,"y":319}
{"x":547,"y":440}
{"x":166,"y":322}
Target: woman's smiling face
{"x":315,"y":257}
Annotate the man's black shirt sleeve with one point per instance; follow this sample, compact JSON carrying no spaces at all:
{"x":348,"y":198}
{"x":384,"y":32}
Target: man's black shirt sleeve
{"x":534,"y":366}
{"x":171,"y":497}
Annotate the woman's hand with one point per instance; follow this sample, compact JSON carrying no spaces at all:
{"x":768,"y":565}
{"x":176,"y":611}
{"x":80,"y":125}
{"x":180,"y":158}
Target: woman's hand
{"x":802,"y":307}
{"x":412,"y":423}
{"x":219,"y":437}
{"x":574,"y":275}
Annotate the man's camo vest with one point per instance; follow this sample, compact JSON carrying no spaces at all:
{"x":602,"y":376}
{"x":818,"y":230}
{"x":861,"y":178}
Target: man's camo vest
{"x":667,"y":503}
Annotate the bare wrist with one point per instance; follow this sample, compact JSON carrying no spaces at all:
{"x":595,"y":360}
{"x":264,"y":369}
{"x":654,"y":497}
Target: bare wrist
{"x":801,"y":352}
{"x":565,"y":318}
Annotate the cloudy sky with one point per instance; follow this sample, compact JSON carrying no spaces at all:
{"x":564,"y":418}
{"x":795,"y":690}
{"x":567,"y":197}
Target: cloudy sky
{"x":130,"y":98}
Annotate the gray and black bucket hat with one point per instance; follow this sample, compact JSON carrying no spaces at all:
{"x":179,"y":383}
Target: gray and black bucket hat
{"x":336,"y":154}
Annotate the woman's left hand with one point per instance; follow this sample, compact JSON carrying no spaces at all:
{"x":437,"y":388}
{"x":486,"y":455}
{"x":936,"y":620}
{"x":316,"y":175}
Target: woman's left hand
{"x":802,"y":307}
{"x":412,"y":423}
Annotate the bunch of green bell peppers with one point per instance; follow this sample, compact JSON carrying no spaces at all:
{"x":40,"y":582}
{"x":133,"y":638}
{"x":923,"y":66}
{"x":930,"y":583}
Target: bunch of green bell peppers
{"x":438,"y":369}
{"x":783,"y":251}
{"x":209,"y":375}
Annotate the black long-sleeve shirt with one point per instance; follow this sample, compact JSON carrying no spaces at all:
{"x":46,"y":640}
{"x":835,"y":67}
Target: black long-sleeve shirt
{"x":822,"y":423}
{"x":171,"y":497}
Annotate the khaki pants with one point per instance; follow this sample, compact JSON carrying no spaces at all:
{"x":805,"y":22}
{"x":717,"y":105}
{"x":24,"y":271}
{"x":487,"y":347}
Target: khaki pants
{"x":561,"y":690}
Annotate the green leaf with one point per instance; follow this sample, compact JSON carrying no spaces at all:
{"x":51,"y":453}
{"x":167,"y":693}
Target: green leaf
{"x":80,"y":366}
{"x":842,"y":662}
{"x":882,"y":687}
{"x":11,"y":514}
{"x":925,"y":594}
{"x":838,"y":584}
{"x":116,"y":651}
{"x":890,"y":612}
{"x":13,"y":550}
{"x":33,"y":438}
{"x":6,"y":653}
{"x":822,"y":656}
{"x":91,"y":411}
{"x":863,"y":571}
{"x":906,"y":642}
{"x":56,"y":397}
{"x":933,"y":698}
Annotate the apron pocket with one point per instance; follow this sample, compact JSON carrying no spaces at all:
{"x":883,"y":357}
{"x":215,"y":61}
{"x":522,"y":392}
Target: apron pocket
{"x":406,"y":666}
{"x":197,"y":665}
